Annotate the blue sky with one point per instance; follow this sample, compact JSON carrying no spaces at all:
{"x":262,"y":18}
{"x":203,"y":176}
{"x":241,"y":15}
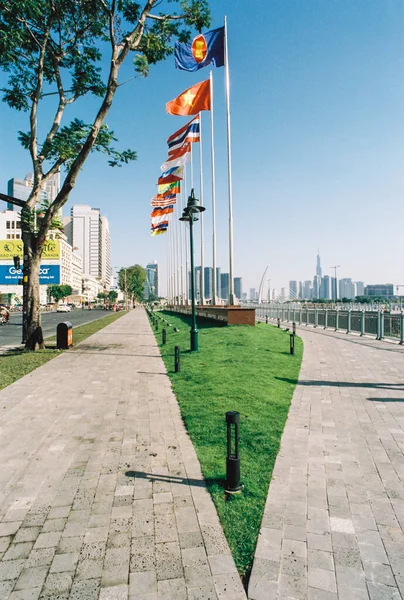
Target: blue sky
{"x":317,"y":110}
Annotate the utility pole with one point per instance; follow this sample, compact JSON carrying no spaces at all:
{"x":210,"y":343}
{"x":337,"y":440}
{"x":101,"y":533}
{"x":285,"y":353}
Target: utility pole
{"x":335,"y":280}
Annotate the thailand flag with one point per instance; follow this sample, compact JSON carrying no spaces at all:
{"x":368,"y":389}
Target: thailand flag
{"x":187,"y":133}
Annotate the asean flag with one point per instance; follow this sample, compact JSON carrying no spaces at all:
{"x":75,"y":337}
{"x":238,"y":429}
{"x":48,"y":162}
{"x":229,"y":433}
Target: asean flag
{"x":205,"y":49}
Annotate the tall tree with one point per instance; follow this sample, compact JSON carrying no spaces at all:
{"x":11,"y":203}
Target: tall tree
{"x":54,"y":49}
{"x":132,"y":281}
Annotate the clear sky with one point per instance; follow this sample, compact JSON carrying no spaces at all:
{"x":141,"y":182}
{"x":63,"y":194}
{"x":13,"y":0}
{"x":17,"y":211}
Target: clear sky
{"x":317,"y":112}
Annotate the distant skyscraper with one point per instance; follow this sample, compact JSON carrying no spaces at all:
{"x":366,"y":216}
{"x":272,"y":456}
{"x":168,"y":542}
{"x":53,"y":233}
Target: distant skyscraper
{"x":21,"y":189}
{"x":238,"y":287}
{"x":293,"y":295}
{"x":325,"y":290}
{"x":252,"y":294}
{"x":380,"y":289}
{"x":307,"y":290}
{"x":319,"y":272}
{"x":88,"y":232}
{"x":208,"y":282}
{"x":360,"y":288}
{"x":346,"y":288}
{"x":152,"y":274}
{"x":225,"y":286}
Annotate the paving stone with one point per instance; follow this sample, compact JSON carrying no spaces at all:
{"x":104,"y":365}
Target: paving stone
{"x":339,"y":458}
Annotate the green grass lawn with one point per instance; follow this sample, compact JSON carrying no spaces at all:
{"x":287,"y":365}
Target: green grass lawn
{"x":247,"y":369}
{"x":17,"y":363}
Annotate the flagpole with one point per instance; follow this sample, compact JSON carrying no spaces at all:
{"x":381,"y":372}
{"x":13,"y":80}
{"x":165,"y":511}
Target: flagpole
{"x":192,"y":168}
{"x":202,"y":286}
{"x":212,"y":138}
{"x":169,"y":265}
{"x":181,"y":246}
{"x":186,"y":280}
{"x":230,"y":187}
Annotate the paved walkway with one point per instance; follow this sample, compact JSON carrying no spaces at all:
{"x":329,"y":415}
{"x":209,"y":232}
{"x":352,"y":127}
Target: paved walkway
{"x":334,"y":519}
{"x":101,"y":493}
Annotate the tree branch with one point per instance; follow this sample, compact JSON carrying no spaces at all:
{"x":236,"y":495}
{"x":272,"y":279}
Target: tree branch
{"x":166,"y":17}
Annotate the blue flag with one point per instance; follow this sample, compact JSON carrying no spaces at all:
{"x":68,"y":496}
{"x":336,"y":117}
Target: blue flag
{"x":205,"y":49}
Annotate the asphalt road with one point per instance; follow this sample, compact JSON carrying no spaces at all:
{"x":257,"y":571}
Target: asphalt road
{"x":11,"y":333}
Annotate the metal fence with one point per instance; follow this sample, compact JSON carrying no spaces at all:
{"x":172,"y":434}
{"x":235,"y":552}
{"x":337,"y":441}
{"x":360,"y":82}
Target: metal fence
{"x":378,"y":324}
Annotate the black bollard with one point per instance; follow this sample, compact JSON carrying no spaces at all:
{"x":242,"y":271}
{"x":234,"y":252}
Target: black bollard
{"x":266,"y":319}
{"x":279,"y":322}
{"x":157,"y":325}
{"x":164,"y":336}
{"x":292,"y":343}
{"x":233,"y":459}
{"x":177,"y":359}
{"x":294,"y":328}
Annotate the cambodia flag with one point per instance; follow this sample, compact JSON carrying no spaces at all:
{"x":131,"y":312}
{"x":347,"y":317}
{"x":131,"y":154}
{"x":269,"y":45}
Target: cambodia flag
{"x":205,"y":49}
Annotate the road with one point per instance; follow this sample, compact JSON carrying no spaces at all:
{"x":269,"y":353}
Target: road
{"x":10,"y":334}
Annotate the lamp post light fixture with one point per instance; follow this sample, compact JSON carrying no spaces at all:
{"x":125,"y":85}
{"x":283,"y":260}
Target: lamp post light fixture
{"x":188,"y":215}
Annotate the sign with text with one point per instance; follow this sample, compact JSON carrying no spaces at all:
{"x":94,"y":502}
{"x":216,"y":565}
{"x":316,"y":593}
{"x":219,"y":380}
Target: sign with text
{"x":48,"y":275}
{"x":10,"y":248}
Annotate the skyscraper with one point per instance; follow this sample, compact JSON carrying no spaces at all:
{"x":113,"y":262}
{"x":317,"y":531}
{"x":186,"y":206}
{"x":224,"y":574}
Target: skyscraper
{"x":208,"y":282}
{"x":21,"y":189}
{"x":88,"y":232}
{"x":319,"y":272}
{"x":225,"y":286}
{"x":293,"y":290}
{"x":238,"y":287}
{"x":152,"y":282}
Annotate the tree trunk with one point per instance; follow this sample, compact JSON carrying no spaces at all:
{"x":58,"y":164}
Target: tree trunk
{"x":32,"y":329}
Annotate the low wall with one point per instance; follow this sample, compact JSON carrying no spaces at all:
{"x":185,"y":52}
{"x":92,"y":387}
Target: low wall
{"x":230,"y":315}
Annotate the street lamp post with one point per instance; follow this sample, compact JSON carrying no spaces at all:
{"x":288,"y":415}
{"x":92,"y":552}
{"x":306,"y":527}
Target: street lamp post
{"x":190,"y":210}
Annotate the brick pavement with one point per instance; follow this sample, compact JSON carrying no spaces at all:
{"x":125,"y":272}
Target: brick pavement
{"x":101,"y":493}
{"x":334,"y":518}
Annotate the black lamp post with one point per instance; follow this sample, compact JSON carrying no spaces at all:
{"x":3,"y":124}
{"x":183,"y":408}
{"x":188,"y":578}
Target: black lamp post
{"x":190,"y":210}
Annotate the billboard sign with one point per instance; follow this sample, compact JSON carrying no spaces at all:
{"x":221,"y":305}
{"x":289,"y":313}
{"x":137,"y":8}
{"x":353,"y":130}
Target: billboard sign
{"x":48,"y":274}
{"x":10,"y":248}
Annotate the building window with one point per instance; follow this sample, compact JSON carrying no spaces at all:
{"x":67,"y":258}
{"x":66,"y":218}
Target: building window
{"x":18,"y":224}
{"x":8,"y":225}
{"x":8,"y":236}
{"x":17,"y":236}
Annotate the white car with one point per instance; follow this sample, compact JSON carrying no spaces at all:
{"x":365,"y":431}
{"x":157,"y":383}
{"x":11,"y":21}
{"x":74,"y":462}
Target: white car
{"x":63,"y":308}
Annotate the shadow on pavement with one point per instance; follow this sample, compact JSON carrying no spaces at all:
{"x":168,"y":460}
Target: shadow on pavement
{"x":166,"y":478}
{"x":386,"y":399}
{"x":377,"y":386}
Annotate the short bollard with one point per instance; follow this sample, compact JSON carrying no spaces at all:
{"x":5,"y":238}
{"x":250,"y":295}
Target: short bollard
{"x":279,"y":322}
{"x":164,"y":336}
{"x":294,"y":328}
{"x":157,"y":325}
{"x":266,"y":319}
{"x":177,"y":359}
{"x":292,"y":343}
{"x":233,"y":459}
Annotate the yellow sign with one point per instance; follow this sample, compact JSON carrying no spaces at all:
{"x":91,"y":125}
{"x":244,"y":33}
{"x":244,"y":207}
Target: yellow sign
{"x":10,"y":248}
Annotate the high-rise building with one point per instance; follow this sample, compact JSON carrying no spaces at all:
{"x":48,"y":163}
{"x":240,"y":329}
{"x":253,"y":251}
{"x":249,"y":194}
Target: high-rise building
{"x":319,"y":272}
{"x":325,"y":287}
{"x":293,"y":294}
{"x":307,"y":290}
{"x":152,"y":280}
{"x":238,"y":287}
{"x":360,"y":288}
{"x":88,"y":232}
{"x":334,"y":291}
{"x":208,"y":282}
{"x":21,"y":189}
{"x":252,"y":294}
{"x":225,"y":286}
{"x":346,"y":288}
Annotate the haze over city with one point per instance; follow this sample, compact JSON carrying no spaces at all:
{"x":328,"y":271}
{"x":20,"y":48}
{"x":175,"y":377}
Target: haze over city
{"x":317,"y":126}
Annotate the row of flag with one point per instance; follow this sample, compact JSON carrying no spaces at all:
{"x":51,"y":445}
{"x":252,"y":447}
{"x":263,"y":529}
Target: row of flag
{"x":204,"y":50}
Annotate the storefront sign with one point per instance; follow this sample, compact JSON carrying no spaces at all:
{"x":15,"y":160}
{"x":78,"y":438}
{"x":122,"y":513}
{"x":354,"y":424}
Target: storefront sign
{"x":48,"y":274}
{"x":10,"y":248}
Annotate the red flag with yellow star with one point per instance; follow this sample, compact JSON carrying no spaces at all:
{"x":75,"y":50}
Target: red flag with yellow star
{"x":192,"y":101}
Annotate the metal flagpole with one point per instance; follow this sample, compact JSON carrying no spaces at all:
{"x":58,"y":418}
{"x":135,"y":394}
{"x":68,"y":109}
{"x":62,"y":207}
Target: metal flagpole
{"x":227,"y":80}
{"x":181,"y":235}
{"x":212,"y":138}
{"x":186,"y":278}
{"x":202,"y":283}
{"x":177,"y":261}
{"x":168,"y":269}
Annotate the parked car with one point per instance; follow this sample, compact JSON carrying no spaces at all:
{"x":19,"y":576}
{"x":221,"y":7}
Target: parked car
{"x":63,"y":308}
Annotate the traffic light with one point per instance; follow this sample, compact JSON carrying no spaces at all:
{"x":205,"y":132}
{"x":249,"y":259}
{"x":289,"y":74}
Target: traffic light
{"x":17,"y":262}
